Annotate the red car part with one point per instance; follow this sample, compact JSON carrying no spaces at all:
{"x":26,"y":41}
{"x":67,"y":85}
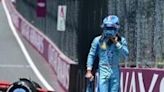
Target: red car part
{"x":24,"y":84}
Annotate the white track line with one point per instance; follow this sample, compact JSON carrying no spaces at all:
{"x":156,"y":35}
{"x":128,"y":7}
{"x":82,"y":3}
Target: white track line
{"x":30,"y":61}
{"x":14,"y":66}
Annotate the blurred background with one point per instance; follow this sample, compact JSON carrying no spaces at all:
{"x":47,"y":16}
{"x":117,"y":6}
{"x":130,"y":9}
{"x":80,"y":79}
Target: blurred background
{"x":142,"y":23}
{"x":71,"y":25}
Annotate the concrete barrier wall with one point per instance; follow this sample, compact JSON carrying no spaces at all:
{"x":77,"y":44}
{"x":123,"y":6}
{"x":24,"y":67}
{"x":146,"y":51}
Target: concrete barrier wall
{"x":60,"y":63}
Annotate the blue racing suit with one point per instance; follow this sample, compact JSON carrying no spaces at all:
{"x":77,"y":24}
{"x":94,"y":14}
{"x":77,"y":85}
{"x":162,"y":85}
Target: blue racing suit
{"x":109,"y":71}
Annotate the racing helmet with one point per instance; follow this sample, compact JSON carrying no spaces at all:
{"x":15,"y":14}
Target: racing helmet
{"x":110,"y":25}
{"x":110,"y":21}
{"x":24,"y":85}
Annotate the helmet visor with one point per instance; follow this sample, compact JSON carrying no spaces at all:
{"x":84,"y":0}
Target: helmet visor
{"x":110,"y":28}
